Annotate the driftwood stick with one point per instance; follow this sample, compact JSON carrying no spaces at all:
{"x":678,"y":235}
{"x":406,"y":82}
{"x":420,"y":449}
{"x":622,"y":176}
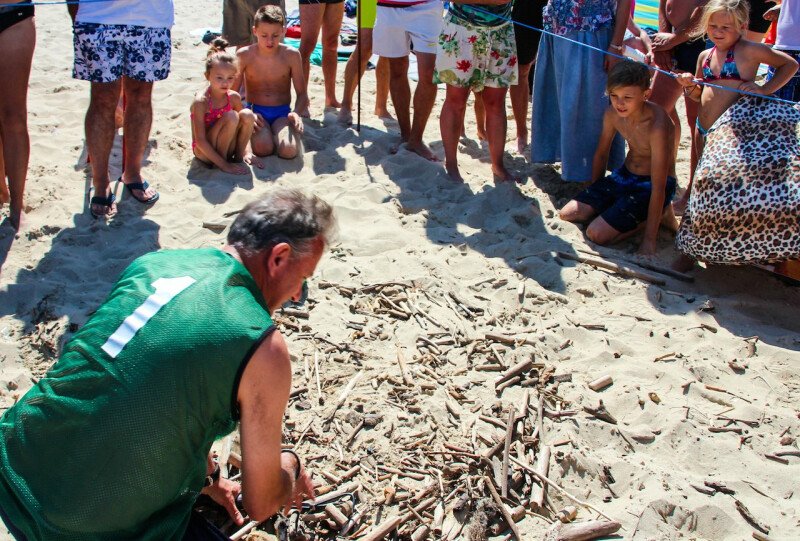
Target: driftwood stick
{"x":343,"y":396}
{"x":509,"y":340}
{"x":613,"y":267}
{"x":382,"y":530}
{"x":559,"y":489}
{"x":246,"y":529}
{"x":503,"y":509}
{"x":581,"y":531}
{"x":506,"y":451}
{"x":538,"y":494}
{"x":401,"y":362}
{"x":516,"y":370}
{"x":316,"y":375}
{"x":748,"y":516}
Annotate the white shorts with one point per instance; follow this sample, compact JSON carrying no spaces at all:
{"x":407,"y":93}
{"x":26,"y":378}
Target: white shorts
{"x":398,"y":29}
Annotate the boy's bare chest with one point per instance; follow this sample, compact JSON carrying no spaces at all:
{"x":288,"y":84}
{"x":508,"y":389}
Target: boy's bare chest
{"x":269,"y":71}
{"x":637,"y":134}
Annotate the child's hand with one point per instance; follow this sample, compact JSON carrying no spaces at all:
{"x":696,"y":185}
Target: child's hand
{"x":685,"y":79}
{"x":750,"y":87}
{"x":252,"y":159}
{"x":260,"y":122}
{"x":296,"y":122}
{"x":236,"y":169}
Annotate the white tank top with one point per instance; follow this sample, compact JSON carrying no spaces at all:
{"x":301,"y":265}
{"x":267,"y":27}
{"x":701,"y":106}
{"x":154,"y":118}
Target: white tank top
{"x":150,"y":13}
{"x":789,"y":26}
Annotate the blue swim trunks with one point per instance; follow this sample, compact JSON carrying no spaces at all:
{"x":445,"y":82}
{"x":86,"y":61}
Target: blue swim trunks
{"x":271,"y":113}
{"x":622,"y":198}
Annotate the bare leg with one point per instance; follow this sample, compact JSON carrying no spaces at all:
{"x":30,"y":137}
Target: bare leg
{"x":691,"y":118}
{"x":382,"y":89}
{"x":138,"y":119}
{"x":424,"y":98}
{"x":5,"y":196}
{"x":220,"y":136}
{"x":520,"y":96}
{"x":352,"y":77}
{"x":576,"y":212}
{"x":286,"y":139}
{"x":480,"y":116}
{"x":310,"y":24}
{"x":496,"y":124}
{"x":669,"y":220}
{"x":17,"y":43}
{"x":401,"y":94}
{"x":451,"y":122}
{"x":600,"y":232}
{"x":242,"y":152}
{"x":262,"y":142}
{"x":331,"y":25}
{"x":100,"y":138}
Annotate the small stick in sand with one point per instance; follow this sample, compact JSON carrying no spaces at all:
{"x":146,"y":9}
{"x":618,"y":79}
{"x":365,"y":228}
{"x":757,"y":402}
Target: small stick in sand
{"x":502,"y":508}
{"x":343,"y":396}
{"x":601,"y":383}
{"x":558,"y":489}
{"x":316,"y":375}
{"x":401,"y":362}
{"x":613,"y":267}
{"x":516,"y":370}
{"x":539,"y":493}
{"x":748,"y":516}
{"x":506,"y":450}
{"x":581,"y":531}
{"x":382,"y":530}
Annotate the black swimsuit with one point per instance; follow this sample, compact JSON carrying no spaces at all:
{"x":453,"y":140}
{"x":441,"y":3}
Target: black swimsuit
{"x":11,"y":15}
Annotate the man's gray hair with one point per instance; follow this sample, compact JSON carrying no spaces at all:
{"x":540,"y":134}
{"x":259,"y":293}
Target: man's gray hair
{"x":283,"y":215}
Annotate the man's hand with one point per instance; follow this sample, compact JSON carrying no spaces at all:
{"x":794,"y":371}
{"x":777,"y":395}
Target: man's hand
{"x":772,"y":13}
{"x":685,"y":79}
{"x":664,"y":41}
{"x":610,"y":59}
{"x":224,"y":492}
{"x":303,"y":488}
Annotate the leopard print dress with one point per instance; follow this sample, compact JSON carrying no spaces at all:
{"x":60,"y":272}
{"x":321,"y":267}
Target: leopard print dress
{"x":745,"y":202}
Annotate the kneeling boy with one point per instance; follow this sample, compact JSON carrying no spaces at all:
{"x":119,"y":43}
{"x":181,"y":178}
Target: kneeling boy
{"x":640,"y":192}
{"x":269,"y":69}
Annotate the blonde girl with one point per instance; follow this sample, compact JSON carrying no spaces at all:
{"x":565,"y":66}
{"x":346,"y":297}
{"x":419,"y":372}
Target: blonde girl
{"x":221,"y":126}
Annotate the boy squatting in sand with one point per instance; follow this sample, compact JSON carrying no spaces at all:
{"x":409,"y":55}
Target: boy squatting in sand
{"x":269,"y":69}
{"x":221,"y":126}
{"x":641,"y":190}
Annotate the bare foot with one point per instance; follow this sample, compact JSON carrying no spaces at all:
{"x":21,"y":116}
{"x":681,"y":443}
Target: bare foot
{"x":16,"y":217}
{"x":679,"y":206}
{"x":502,"y":175}
{"x":422,"y":149}
{"x":683,"y":263}
{"x":5,"y":195}
{"x":522,"y":143}
{"x":383,"y":114}
{"x":481,"y":135}
{"x":345,"y":117}
{"x":332,"y":103}
{"x":454,"y":173}
{"x":305,"y":113}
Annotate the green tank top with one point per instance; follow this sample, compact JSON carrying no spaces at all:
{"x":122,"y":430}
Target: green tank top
{"x":112,"y":442}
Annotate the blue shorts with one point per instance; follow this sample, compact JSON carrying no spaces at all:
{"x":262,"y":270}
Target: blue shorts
{"x":622,"y":198}
{"x":271,"y":113}
{"x":791,"y":90}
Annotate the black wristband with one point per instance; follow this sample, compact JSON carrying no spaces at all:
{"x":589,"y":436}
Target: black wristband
{"x":213,"y":478}
{"x":299,"y":467}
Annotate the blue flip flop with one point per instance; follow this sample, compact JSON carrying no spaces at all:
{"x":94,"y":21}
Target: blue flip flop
{"x":100,"y":200}
{"x":139,"y":186}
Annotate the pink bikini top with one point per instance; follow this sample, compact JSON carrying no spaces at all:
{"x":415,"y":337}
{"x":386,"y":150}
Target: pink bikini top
{"x":212,"y":115}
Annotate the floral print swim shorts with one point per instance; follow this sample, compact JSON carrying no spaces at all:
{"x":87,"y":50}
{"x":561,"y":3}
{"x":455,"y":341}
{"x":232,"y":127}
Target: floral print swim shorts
{"x":106,"y":52}
{"x":475,"y":57}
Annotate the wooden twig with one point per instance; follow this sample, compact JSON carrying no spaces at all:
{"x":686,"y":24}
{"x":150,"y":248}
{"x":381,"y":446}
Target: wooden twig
{"x":382,"y":530}
{"x":502,"y":508}
{"x":538,"y":494}
{"x":516,"y":370}
{"x":316,"y":375}
{"x":613,"y":267}
{"x":558,"y":488}
{"x":506,"y":451}
{"x":343,"y":396}
{"x":748,"y":516}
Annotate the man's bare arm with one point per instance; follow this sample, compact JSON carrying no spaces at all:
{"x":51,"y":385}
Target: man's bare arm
{"x":263,"y":395}
{"x":299,"y":83}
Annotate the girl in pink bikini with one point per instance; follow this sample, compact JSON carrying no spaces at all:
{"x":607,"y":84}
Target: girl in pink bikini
{"x":221,"y":126}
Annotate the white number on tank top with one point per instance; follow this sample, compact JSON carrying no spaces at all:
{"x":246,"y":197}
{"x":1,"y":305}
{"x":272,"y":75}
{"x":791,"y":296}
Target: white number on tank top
{"x":166,"y":290}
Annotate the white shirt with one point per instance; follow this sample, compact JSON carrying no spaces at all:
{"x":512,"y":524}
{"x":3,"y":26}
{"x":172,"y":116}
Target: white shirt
{"x":149,"y":13}
{"x":789,"y":26}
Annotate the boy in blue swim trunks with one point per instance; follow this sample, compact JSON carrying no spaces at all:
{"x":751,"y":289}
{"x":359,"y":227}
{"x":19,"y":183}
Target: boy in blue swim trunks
{"x":269,"y":69}
{"x":638,"y":194}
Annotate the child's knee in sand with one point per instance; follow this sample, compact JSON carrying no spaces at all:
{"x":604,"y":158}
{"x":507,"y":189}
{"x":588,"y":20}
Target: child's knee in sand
{"x":600,"y":232}
{"x":576,"y":212}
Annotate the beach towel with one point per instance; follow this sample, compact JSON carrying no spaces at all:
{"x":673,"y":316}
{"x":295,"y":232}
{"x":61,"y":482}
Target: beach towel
{"x":745,"y":201}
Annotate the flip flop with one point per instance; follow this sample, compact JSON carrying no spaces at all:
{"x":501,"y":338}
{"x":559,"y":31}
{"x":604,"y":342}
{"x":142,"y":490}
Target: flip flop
{"x":138,"y":186}
{"x":100,"y":200}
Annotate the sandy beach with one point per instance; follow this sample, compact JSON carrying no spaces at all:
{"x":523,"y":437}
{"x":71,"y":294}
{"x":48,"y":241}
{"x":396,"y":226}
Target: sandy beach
{"x":466,"y":282}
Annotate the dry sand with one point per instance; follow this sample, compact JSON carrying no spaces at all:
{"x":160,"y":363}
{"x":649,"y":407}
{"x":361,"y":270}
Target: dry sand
{"x":401,"y":220}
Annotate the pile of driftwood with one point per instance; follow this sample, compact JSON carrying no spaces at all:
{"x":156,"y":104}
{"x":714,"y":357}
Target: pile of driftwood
{"x":387,"y":462}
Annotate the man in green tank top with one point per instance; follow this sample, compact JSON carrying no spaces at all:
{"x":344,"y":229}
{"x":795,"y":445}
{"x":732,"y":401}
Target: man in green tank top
{"x":114,"y":442}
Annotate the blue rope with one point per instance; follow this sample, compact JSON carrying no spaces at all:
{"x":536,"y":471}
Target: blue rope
{"x":72,"y":2}
{"x":592,"y":47}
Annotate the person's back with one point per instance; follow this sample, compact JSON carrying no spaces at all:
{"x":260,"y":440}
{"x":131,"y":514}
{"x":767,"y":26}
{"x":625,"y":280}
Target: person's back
{"x":112,"y":443}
